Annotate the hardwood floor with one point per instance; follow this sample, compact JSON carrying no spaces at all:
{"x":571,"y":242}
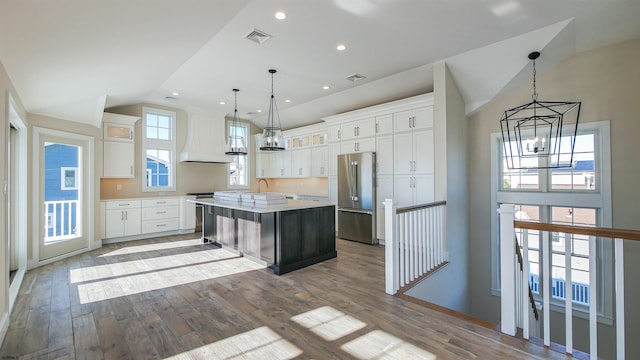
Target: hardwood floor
{"x":173,"y":297}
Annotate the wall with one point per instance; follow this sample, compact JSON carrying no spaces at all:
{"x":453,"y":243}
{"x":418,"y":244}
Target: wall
{"x":190,"y":177}
{"x":606,"y":80}
{"x":6,"y":88}
{"x":450,"y":133}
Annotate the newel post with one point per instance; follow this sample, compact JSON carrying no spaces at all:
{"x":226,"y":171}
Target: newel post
{"x":507,"y":270}
{"x":391,"y":274}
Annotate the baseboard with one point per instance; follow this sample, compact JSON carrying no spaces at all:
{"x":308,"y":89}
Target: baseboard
{"x":4,"y":326}
{"x":148,"y":236}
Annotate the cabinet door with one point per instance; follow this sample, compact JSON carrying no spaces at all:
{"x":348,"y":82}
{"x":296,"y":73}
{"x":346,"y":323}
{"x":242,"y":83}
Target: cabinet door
{"x":319,"y":164}
{"x":402,"y":121}
{"x":424,"y":189}
{"x":403,"y":153}
{"x":384,"y":125}
{"x":334,"y":133}
{"x":318,"y":139}
{"x":403,"y":190}
{"x":423,"y":152}
{"x":348,"y":147}
{"x":384,"y":154}
{"x":118,"y":132}
{"x":384,"y":189}
{"x":118,"y":159}
{"x":334,"y":151}
{"x":114,"y":223}
{"x":281,"y":164}
{"x":132,"y":222}
{"x":301,"y":163}
{"x":349,"y":130}
{"x":423,"y":118}
{"x":333,"y":190}
{"x":263,"y":165}
{"x":366,"y":128}
{"x":364,"y":145}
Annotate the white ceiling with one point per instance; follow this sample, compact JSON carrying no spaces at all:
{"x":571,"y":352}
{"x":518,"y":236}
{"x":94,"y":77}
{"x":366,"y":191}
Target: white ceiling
{"x":71,"y":59}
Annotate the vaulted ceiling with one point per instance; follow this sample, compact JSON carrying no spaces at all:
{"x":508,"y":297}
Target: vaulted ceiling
{"x":72,"y":59}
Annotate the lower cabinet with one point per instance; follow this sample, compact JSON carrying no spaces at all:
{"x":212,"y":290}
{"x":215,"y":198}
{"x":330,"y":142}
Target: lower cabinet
{"x":159,"y":215}
{"x":122,"y":218}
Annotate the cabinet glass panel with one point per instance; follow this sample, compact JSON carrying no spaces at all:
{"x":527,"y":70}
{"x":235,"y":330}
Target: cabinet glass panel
{"x":118,"y":132}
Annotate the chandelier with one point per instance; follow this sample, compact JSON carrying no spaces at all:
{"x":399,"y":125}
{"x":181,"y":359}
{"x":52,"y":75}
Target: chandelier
{"x":272,"y":137}
{"x":540,"y":134}
{"x":236,"y":144}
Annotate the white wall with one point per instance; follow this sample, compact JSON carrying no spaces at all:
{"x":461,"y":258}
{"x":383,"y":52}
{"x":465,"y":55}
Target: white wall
{"x":606,"y":80}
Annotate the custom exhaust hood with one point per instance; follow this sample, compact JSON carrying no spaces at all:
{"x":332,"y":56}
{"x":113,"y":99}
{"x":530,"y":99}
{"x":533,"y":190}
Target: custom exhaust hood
{"x":205,"y":138}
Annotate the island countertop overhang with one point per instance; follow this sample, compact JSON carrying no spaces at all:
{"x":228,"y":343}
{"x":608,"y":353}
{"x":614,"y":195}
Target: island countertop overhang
{"x":290,"y":205}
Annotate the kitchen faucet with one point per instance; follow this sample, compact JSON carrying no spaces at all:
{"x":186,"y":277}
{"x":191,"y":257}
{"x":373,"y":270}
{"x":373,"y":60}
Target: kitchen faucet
{"x":265,"y":182}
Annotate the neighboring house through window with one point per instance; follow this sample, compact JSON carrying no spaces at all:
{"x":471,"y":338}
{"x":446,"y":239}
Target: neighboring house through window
{"x":576,"y":195}
{"x":158,"y":149}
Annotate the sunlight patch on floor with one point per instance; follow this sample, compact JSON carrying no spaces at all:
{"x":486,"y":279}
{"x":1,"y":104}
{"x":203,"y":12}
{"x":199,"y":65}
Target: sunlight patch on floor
{"x":329,"y":323}
{"x":91,"y":273}
{"x":135,"y":284}
{"x":381,"y":345}
{"x":154,"y":247}
{"x":260,"y":343}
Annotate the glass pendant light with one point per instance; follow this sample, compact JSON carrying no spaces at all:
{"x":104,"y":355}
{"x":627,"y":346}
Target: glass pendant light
{"x":272,"y":137}
{"x":236,"y":145}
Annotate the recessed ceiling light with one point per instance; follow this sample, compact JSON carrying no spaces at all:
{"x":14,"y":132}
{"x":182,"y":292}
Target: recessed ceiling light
{"x":259,"y":110}
{"x":287,"y":100}
{"x":222,"y":102}
{"x":280,"y":15}
{"x":341,"y":47}
{"x":175,"y":94}
{"x":326,"y":87}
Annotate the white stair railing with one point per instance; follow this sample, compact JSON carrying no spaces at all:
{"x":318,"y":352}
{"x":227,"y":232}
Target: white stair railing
{"x":415,"y":242}
{"x":514,"y":301}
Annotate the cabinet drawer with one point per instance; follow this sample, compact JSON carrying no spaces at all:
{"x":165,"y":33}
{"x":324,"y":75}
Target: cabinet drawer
{"x":122,"y":204}
{"x":160,"y":212}
{"x":160,"y":202}
{"x":160,"y":225}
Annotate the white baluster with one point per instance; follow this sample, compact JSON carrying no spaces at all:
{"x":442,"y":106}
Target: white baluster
{"x":508,"y":270}
{"x":525,"y":283}
{"x":619,"y":275}
{"x":390,"y":248}
{"x":546,"y":284}
{"x":568,"y":294}
{"x":593,"y":303}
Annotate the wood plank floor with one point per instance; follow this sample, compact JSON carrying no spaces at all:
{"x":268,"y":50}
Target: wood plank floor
{"x":173,"y":297}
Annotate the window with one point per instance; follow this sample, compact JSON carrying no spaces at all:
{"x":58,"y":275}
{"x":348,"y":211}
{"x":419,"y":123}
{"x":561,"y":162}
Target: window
{"x":68,"y":178}
{"x":158,"y":149}
{"x":239,"y":168}
{"x":579,"y":195}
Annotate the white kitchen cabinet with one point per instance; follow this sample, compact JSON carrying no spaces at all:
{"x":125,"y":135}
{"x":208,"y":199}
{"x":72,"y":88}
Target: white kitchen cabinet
{"x":187,"y":213}
{"x":421,"y":118}
{"x":118,"y":159}
{"x":301,"y":163}
{"x":298,"y":142}
{"x":263,"y":164}
{"x":122,"y":218}
{"x":384,"y":154}
{"x":333,"y":195}
{"x":357,"y":146}
{"x":281,"y":164}
{"x":384,"y":125}
{"x":118,"y":145}
{"x":413,"y":189}
{"x":333,"y":133}
{"x":413,"y":152}
{"x":159,"y":215}
{"x":358,"y":129}
{"x":319,"y":161}
{"x":334,"y":151}
{"x":384,"y":190}
{"x":319,"y":138}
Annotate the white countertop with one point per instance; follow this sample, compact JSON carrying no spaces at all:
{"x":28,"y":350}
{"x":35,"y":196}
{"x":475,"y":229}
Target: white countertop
{"x":290,"y":205}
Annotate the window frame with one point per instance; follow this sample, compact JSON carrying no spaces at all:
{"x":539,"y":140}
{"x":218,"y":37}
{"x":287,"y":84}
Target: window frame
{"x":63,"y":170}
{"x":236,"y":158}
{"x":600,"y":199}
{"x":157,"y":144}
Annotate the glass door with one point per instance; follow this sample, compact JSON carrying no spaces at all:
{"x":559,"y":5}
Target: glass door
{"x":63,"y":195}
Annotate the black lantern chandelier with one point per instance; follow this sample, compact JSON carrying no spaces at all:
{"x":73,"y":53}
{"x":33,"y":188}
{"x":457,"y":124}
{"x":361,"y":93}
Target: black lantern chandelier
{"x":236,"y":144}
{"x":540,"y":134}
{"x":272,"y":137}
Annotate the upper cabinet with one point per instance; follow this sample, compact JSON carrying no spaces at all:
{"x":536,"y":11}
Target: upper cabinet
{"x":417,"y":119}
{"x":384,"y":125}
{"x":357,"y":129}
{"x":118,"y":145}
{"x":334,"y":133}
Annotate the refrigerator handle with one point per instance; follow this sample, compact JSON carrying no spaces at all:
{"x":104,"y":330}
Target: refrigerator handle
{"x":354,"y":179}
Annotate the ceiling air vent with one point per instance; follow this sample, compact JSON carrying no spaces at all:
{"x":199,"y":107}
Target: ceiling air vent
{"x":257,"y":36}
{"x":355,"y":77}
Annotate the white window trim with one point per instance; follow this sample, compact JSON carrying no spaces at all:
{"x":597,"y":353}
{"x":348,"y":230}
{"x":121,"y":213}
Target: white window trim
{"x":62,"y":178}
{"x":601,"y":200}
{"x":247,"y":159}
{"x":159,"y":145}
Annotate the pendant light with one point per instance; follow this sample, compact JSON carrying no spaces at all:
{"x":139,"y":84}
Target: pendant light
{"x":272,"y":137}
{"x":236,"y":144}
{"x":540,"y":134}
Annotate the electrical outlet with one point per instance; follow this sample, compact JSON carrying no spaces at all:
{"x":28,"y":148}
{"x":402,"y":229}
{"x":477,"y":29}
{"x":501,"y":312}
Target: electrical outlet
{"x":118,"y":187}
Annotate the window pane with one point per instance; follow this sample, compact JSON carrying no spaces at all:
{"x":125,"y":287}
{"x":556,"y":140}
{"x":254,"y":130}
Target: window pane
{"x":152,"y":120}
{"x":152,"y":132}
{"x":518,"y":178}
{"x":164,"y":121}
{"x":163,"y":134}
{"x":582,"y":175}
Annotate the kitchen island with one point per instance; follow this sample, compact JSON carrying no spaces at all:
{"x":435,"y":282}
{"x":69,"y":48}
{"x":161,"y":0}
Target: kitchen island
{"x":284,"y":237}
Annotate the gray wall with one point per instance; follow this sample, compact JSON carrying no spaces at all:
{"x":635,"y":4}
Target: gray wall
{"x":607,"y":81}
{"x":449,"y":287}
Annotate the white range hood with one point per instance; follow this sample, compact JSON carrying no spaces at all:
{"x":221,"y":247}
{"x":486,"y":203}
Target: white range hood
{"x":205,"y":138}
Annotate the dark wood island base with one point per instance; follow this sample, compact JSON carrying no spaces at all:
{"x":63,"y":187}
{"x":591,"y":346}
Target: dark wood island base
{"x":284,"y":239}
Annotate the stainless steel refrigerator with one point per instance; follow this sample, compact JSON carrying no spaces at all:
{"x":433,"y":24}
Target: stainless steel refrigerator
{"x":357,"y":197}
